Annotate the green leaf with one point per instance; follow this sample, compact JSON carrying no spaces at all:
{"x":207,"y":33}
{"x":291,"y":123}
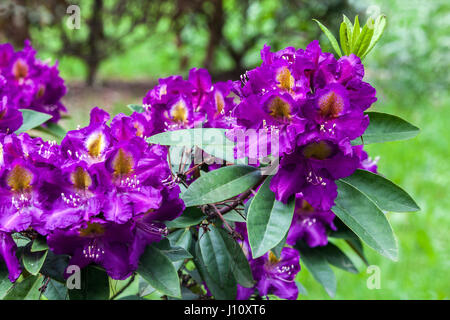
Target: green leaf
{"x":5,"y":284}
{"x":365,"y":41}
{"x":317,"y":264}
{"x":380,"y":25}
{"x":94,"y":285}
{"x":279,"y":247}
{"x":55,"y":265}
{"x":337,"y":258}
{"x":344,"y":39}
{"x":56,"y":130}
{"x":174,"y":253}
{"x":190,"y":217}
{"x":385,"y":127}
{"x":32,"y":119}
{"x":364,"y":218}
{"x":330,"y":37}
{"x":387,"y":195}
{"x":220,"y":291}
{"x":345,"y":233}
{"x":215,"y":255}
{"x":239,"y":263}
{"x":39,"y":244}
{"x":360,"y":38}
{"x":28,"y":289}
{"x":56,"y":290}
{"x":136,"y":108}
{"x":181,"y":238}
{"x":268,"y":220}
{"x":221,"y":184}
{"x":211,"y":140}
{"x":159,"y":271}
{"x":356,"y":32}
{"x":234,"y":216}
{"x":33,"y":261}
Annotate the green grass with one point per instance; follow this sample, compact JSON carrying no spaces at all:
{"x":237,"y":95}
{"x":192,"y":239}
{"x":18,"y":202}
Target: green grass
{"x":422,"y":167}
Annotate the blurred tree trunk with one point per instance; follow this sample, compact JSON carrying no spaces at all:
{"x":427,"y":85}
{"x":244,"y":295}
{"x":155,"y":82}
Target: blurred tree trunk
{"x":96,"y":35}
{"x":215,"y":24}
{"x":14,"y":24}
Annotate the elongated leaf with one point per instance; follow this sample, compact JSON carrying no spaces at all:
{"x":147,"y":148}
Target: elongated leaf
{"x":337,"y":258}
{"x":220,"y":291}
{"x":94,"y":285}
{"x":33,"y":261}
{"x":239,"y":263}
{"x":221,"y":184}
{"x":191,"y":137}
{"x":356,"y":32}
{"x":268,"y":220}
{"x":364,"y":218}
{"x":385,"y":127}
{"x":54,"y":266}
{"x":28,"y":289}
{"x":360,"y":38}
{"x":215,"y":255}
{"x":345,"y":233}
{"x":380,"y":25}
{"x":330,"y":37}
{"x":190,"y":217}
{"x":158,"y":270}
{"x":136,"y":108}
{"x":365,"y":41}
{"x":32,"y":119}
{"x":5,"y":284}
{"x":279,"y":247}
{"x":387,"y":195}
{"x":344,"y":39}
{"x":318,"y":266}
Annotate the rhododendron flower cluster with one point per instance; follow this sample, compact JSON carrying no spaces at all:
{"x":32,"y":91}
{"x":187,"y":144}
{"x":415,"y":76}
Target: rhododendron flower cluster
{"x":101,"y":196}
{"x":109,"y":194}
{"x":27,"y":83}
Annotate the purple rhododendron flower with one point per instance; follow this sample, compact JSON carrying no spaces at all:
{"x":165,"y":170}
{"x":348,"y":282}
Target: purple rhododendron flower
{"x":116,"y":191}
{"x":30,"y":83}
{"x":310,"y":225}
{"x":272,"y":275}
{"x":8,"y":255}
{"x":176,"y":103}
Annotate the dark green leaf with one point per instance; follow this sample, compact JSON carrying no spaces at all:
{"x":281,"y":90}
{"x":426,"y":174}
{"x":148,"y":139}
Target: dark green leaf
{"x":345,"y":233}
{"x":387,"y":195}
{"x":239,"y":263}
{"x":318,"y":266}
{"x":159,"y":271}
{"x":28,"y":289}
{"x":33,"y":261}
{"x":56,"y":291}
{"x":279,"y":247}
{"x":5,"y":284}
{"x":385,"y":127}
{"x":268,"y":220}
{"x":190,"y":217}
{"x":174,"y":253}
{"x":220,"y":291}
{"x":234,"y":216}
{"x":365,"y":219}
{"x":337,"y":258}
{"x":54,"y":266}
{"x":94,"y":285}
{"x":39,"y":244}
{"x":32,"y":119}
{"x":221,"y":184}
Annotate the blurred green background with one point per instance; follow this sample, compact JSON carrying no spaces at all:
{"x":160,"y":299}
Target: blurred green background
{"x":123,"y":47}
